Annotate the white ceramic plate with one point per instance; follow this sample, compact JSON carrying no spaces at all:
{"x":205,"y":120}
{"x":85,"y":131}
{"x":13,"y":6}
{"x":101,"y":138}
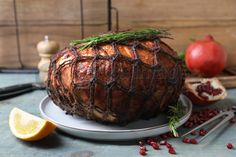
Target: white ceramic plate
{"x":81,"y":127}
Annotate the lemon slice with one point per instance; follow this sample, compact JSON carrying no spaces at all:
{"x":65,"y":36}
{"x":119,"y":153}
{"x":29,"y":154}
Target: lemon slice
{"x":28,"y":127}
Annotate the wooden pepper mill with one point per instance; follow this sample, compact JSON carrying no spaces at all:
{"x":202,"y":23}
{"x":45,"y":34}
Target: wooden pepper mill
{"x":46,"y":49}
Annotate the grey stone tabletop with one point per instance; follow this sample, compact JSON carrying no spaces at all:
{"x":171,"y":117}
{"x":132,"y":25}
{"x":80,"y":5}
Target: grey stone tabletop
{"x":59,"y":144}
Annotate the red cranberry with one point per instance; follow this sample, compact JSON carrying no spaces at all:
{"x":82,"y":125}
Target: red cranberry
{"x":142,"y":152}
{"x":193,"y":141}
{"x":186,"y":140}
{"x":172,"y":151}
{"x":230,"y":146}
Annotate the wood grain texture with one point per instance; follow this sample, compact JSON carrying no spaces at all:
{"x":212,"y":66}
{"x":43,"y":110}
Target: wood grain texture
{"x":32,"y":12}
{"x":6,"y":12}
{"x":30,"y":36}
{"x":61,"y":20}
{"x":8,"y":51}
{"x":228,"y":81}
{"x":185,"y":20}
{"x":152,"y":10}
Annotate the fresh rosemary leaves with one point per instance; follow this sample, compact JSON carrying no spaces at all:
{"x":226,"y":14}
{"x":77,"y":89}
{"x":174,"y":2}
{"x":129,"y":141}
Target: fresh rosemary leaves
{"x":120,"y":37}
{"x":175,"y":112}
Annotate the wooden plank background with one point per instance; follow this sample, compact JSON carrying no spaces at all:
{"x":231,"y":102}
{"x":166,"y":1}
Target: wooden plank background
{"x":60,"y":20}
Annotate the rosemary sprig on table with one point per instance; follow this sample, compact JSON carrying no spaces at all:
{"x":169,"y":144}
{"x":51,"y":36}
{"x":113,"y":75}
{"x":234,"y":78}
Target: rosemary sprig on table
{"x":121,"y":36}
{"x":175,"y":112}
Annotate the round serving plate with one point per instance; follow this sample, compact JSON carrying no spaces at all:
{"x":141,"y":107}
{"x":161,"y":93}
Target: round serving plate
{"x":81,"y":127}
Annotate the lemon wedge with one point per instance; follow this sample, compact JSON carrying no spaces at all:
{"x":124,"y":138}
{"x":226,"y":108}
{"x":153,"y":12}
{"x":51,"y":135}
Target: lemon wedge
{"x":28,"y":127}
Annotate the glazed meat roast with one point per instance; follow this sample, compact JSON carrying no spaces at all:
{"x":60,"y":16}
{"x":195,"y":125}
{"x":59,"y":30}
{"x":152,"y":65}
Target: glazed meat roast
{"x":116,"y":80}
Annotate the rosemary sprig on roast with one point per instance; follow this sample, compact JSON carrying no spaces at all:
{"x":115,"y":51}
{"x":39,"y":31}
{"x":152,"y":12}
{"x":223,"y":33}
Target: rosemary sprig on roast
{"x":175,"y":112}
{"x":144,"y":34}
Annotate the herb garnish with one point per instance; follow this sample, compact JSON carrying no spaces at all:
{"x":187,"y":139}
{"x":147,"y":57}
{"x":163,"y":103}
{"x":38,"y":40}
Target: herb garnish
{"x":175,"y":112}
{"x":120,"y":37}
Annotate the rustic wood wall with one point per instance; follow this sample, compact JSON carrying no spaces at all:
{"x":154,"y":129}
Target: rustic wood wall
{"x":60,"y":19}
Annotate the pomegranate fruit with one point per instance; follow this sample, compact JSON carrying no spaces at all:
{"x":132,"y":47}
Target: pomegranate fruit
{"x":204,"y":91}
{"x":205,"y":57}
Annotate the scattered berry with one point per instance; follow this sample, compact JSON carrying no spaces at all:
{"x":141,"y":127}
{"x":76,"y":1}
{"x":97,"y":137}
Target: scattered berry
{"x":230,"y":146}
{"x":193,"y":141}
{"x":155,"y":145}
{"x":199,"y":117}
{"x":186,"y":140}
{"x":202,"y":132}
{"x":168,"y":145}
{"x":142,"y":152}
{"x":143,"y":148}
{"x":172,"y":151}
{"x":150,"y":140}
